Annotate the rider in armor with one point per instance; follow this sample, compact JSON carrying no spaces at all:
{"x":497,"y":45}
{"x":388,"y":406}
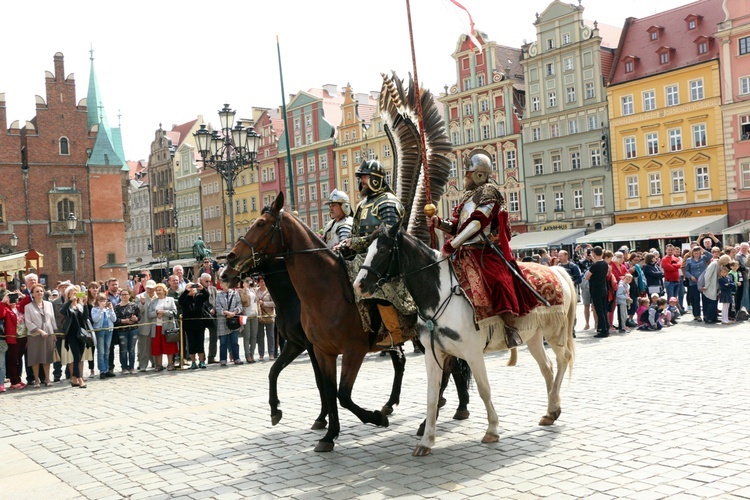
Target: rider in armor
{"x":339,"y":227}
{"x":378,"y":206}
{"x":479,"y":218}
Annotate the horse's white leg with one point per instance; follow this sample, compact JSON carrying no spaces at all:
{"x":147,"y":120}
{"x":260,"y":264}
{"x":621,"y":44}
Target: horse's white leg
{"x":434,"y":377}
{"x":479,"y":369}
{"x":536,"y":348}
{"x":563,"y":359}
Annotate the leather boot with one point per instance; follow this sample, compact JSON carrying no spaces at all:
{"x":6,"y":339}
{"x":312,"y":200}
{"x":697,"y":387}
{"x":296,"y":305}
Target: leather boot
{"x":512,"y":335}
{"x":390,"y":319}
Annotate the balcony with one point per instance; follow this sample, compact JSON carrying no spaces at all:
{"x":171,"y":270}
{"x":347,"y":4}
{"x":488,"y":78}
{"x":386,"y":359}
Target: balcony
{"x":60,"y":228}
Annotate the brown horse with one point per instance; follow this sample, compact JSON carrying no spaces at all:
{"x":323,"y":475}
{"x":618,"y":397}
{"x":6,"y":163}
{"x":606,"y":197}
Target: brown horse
{"x":329,"y":316}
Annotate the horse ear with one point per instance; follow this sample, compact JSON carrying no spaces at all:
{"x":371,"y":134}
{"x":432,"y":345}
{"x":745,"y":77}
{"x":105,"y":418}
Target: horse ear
{"x":278,"y":203}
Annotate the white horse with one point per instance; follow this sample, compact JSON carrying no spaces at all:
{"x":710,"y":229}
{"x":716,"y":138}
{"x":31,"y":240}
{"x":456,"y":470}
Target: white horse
{"x":447,"y":324}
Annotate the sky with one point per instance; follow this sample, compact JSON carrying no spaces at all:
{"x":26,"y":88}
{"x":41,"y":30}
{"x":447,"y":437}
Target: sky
{"x":168,"y":62}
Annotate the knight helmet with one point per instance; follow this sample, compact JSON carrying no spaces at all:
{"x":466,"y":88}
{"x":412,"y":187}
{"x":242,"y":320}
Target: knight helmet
{"x":480,"y":167}
{"x":341,"y":198}
{"x":375,"y":170}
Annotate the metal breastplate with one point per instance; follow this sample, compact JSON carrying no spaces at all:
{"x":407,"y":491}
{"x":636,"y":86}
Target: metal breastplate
{"x":469,"y":208}
{"x":333,"y":230}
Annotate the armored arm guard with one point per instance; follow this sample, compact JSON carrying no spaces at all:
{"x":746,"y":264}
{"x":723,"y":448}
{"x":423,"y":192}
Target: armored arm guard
{"x":344,"y":228}
{"x":473,"y":226}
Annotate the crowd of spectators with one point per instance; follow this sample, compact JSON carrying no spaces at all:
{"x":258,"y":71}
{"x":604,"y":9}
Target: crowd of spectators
{"x":151,"y":323}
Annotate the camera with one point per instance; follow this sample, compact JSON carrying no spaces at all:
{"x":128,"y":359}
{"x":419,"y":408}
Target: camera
{"x":12,"y":298}
{"x":195,"y":285}
{"x":141,"y":275}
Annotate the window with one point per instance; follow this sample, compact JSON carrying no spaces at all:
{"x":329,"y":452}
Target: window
{"x":702,"y":47}
{"x":701,"y":178}
{"x":627,"y":105}
{"x":554,"y":130}
{"x":485,"y":132}
{"x":745,"y":85}
{"x":593,"y":122}
{"x":371,"y":154}
{"x":598,"y":197}
{"x":630,"y":147}
{"x":590,"y":92}
{"x":468,"y":108}
{"x":550,"y":69}
{"x":654,"y":184}
{"x":744,"y":45}
{"x":300,"y":167}
{"x":538,"y":166}
{"x":470,"y":135}
{"x":387,"y":151}
{"x":632,"y":183}
{"x":541,"y":204}
{"x":313,"y":193}
{"x":652,"y":143}
{"x":745,"y":127}
{"x":556,"y":163}
{"x":211,"y":212}
{"x":550,"y":43}
{"x":453,"y":172}
{"x":510,"y":159}
{"x":311,"y":164}
{"x":324,"y":190}
{"x":552,"y":97}
{"x":467,"y":83}
{"x":455,"y":138}
{"x":535,"y":103}
{"x":500,"y":129}
{"x":595,"y":155}
{"x":323,"y":160}
{"x":344,"y":160}
{"x":629,"y":66}
{"x":301,"y":194}
{"x":673,"y":95}
{"x":314,"y":222}
{"x":675,"y":140}
{"x":536,"y":134}
{"x":691,"y":24}
{"x":578,"y":199}
{"x":559,"y":204}
{"x":699,"y":136}
{"x":357,"y":158}
{"x":346,"y":185}
{"x":678,"y":181}
{"x":566,"y":38}
{"x":696,"y":90}
{"x":575,"y":160}
{"x":484,"y":105}
{"x":573,"y":127}
{"x":65,"y":207}
{"x":654,"y":35}
{"x":569,"y":64}
{"x":664,"y":57}
{"x":745,"y":175}
{"x":66,"y":260}
{"x":64,"y":146}
{"x":571,"y":94}
{"x":354,"y":134}
{"x":297,"y":124}
{"x":649,"y":100}
{"x":513,"y":204}
{"x":480,"y":80}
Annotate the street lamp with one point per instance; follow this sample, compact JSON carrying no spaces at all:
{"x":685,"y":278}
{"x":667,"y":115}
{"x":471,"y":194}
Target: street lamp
{"x":72,"y":222}
{"x":13,"y":241}
{"x":228,"y":152}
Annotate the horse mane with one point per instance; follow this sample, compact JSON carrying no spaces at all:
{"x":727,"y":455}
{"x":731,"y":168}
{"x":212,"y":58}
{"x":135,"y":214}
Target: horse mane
{"x":312,"y":236}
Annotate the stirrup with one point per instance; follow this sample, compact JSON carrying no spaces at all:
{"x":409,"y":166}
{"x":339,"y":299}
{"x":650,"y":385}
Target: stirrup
{"x":512,"y":337}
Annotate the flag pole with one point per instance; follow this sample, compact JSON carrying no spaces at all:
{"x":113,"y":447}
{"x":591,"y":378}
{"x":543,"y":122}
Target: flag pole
{"x":290,"y":172}
{"x":429,"y":209}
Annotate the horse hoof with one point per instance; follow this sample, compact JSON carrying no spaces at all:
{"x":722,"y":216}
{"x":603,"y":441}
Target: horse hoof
{"x":275,"y":419}
{"x":441,"y":402}
{"x":421,"y":451}
{"x":386,"y":410}
{"x":324,"y":447}
{"x":461,"y":415}
{"x":318,"y":425}
{"x":490,"y":438}
{"x":420,"y":431}
{"x":546,"y":421}
{"x":556,"y":413}
{"x":380,"y":419}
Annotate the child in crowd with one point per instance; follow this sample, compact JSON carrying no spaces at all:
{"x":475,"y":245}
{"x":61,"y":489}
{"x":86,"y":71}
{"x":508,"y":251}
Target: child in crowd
{"x":674,"y":310}
{"x":643,"y":303}
{"x":726,"y":292}
{"x":623,"y":300}
{"x":651,"y":316}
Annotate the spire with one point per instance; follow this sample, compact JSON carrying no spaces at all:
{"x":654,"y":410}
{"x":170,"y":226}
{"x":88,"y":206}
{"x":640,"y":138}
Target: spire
{"x":95,"y":108}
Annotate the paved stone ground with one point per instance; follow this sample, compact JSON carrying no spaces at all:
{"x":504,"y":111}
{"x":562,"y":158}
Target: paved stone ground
{"x":646,"y":415}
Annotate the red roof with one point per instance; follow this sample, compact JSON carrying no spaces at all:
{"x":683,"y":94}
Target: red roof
{"x":181,"y":131}
{"x":672,"y":38}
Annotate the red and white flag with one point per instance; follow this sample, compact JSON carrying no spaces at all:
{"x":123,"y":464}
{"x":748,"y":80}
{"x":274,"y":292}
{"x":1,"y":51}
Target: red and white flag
{"x":472,"y":31}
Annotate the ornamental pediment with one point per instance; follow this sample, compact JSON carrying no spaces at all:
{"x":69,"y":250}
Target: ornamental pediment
{"x":652,"y":165}
{"x":700,"y":158}
{"x":675,"y":161}
{"x":630,"y":168}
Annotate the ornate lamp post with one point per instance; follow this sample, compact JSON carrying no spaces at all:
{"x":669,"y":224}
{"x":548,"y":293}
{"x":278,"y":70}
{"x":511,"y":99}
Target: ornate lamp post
{"x":13,"y":241}
{"x":228,"y":152}
{"x":72,"y":222}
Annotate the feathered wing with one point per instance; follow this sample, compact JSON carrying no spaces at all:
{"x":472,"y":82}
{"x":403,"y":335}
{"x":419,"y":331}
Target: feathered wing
{"x":398,"y":108}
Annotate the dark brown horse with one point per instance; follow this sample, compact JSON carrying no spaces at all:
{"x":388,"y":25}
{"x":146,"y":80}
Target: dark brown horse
{"x":330,"y":319}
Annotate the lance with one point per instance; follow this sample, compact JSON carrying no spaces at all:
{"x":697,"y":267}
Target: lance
{"x":429,"y":208}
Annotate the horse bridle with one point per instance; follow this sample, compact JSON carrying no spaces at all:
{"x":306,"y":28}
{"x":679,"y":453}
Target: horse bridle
{"x":257,"y":254}
{"x":393,"y":265}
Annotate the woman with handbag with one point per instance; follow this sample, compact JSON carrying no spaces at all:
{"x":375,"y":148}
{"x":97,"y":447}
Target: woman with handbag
{"x":163,"y":312}
{"x":228,"y":309}
{"x":41,"y":326}
{"x":192,"y":300}
{"x":250,"y":311}
{"x":75,"y":319}
{"x":266,"y":319}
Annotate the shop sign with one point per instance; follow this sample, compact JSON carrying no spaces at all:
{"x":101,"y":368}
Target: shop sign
{"x":555,"y":226}
{"x":673,"y":213}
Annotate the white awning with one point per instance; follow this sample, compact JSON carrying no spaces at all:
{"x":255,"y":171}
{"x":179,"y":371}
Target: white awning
{"x":545,"y":239}
{"x":687,"y":227}
{"x":739,"y":228}
{"x":13,"y":262}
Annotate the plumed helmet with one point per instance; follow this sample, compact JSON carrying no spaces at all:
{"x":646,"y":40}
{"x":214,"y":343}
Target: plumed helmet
{"x":342,"y":198}
{"x":375,"y":170}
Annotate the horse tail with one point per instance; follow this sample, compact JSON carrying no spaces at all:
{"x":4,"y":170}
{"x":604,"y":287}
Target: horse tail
{"x":513,"y":359}
{"x":462,"y":368}
{"x":570,"y":343}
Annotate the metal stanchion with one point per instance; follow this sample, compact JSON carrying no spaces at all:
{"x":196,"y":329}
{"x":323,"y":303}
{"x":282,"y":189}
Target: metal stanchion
{"x":181,"y":345}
